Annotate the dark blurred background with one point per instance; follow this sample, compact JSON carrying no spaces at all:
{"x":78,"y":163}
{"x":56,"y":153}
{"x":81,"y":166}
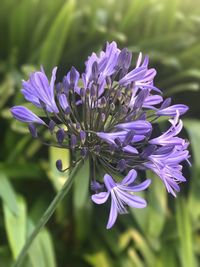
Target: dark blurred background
{"x":64,"y":33}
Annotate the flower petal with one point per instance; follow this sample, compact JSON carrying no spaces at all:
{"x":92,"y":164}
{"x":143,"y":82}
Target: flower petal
{"x":172,"y":110}
{"x":109,"y":182}
{"x":140,"y":127}
{"x":113,"y":214}
{"x":131,"y":200}
{"x":130,"y":177}
{"x":139,"y":187}
{"x":25,"y":115}
{"x":100,"y":198}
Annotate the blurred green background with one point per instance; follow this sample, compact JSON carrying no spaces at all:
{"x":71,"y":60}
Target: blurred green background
{"x":64,"y":33}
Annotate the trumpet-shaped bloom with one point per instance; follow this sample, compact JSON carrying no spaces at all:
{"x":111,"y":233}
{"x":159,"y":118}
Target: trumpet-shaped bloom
{"x":122,"y":195}
{"x":165,"y":162}
{"x":40,"y":91}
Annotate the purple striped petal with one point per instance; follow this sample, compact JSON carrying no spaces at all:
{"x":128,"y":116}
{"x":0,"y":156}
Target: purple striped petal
{"x":109,"y":182}
{"x":152,"y":100}
{"x":113,"y":214}
{"x":133,"y":75}
{"x":172,"y":110}
{"x":131,"y":200}
{"x":63,"y":101}
{"x":140,"y":127}
{"x":38,"y":89}
{"x":25,"y":115}
{"x":140,"y":187}
{"x":130,"y":149}
{"x":130,"y":177}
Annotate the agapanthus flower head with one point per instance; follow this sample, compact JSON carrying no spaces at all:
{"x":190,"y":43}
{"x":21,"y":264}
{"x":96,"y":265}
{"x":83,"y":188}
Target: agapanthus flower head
{"x":107,"y":115}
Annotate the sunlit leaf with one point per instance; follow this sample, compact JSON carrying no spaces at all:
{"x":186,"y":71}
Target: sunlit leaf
{"x":16,"y":226}
{"x":7,"y":194}
{"x":41,"y":252}
{"x":185,"y":248}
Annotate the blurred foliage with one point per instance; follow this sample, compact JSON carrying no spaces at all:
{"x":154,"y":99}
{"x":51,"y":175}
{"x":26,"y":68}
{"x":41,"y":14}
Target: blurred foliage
{"x":64,"y":33}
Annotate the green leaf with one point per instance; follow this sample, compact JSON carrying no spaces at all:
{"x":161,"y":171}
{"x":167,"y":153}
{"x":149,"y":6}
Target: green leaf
{"x":22,"y":170}
{"x":193,"y":129}
{"x":136,"y":261}
{"x":167,"y":256}
{"x":98,"y":259}
{"x":6,"y":90}
{"x":52,"y":48}
{"x":157,"y":207}
{"x":81,"y":185}
{"x":185,"y":248}
{"x":82,"y":202}
{"x":7,"y":194}
{"x":16,"y":226}
{"x":41,"y":253}
{"x":142,"y":246}
{"x":5,"y":256}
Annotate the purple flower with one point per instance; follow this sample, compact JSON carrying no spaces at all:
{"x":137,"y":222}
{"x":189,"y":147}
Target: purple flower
{"x":133,"y":76}
{"x":110,"y":121}
{"x":140,"y":127}
{"x":25,"y":115}
{"x":169,"y":137}
{"x":63,"y":101}
{"x":141,"y":75}
{"x":165,"y":162}
{"x":71,"y":81}
{"x":39,"y":91}
{"x":172,"y":110}
{"x":106,"y":63}
{"x":121,"y":195}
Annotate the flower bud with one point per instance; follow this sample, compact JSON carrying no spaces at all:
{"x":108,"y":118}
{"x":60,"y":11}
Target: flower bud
{"x":60,"y":135}
{"x":59,"y":165}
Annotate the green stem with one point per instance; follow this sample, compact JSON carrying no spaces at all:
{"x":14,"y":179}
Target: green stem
{"x":46,"y":216}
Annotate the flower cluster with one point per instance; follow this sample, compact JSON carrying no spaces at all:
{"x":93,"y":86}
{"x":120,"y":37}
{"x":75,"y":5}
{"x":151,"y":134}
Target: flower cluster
{"x":108,"y":115}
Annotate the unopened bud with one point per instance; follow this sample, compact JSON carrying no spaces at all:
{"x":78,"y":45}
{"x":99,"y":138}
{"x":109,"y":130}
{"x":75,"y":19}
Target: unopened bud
{"x":78,"y":127}
{"x":73,"y":141}
{"x":52,"y":125}
{"x":59,"y":165}
{"x":112,"y":106}
{"x":128,"y":138}
{"x":84,"y":152}
{"x":32,"y":130}
{"x":82,"y":136}
{"x":60,"y":135}
{"x":121,"y":166}
{"x":118,"y":141}
{"x":103,"y":102}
